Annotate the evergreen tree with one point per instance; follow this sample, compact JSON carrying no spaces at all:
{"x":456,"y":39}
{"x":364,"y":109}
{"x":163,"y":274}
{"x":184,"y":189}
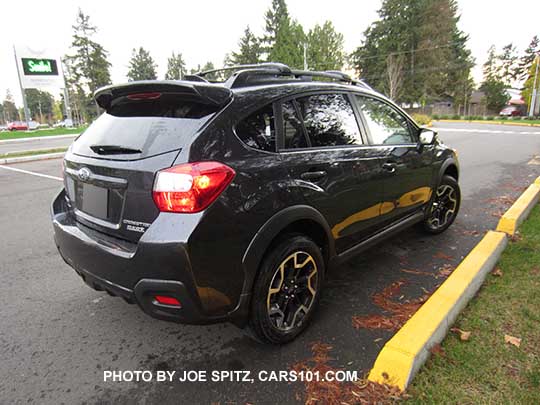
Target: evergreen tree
{"x":508,"y":64}
{"x":526,"y":61}
{"x":275,"y":17}
{"x":249,"y":50}
{"x":176,"y":67}
{"x":325,"y":48}
{"x":10,"y":112}
{"x":89,"y":64}
{"x":141,"y":66}
{"x":419,"y":41}
{"x":289,"y":45}
{"x":493,"y":86}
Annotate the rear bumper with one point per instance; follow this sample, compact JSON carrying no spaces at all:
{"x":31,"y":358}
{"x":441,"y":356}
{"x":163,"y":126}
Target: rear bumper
{"x":137,"y":272}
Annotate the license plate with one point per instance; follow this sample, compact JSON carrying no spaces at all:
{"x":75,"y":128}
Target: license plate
{"x":95,"y":201}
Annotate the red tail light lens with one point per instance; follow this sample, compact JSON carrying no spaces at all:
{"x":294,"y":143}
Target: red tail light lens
{"x":190,"y":187}
{"x":166,"y":300}
{"x":144,"y":96}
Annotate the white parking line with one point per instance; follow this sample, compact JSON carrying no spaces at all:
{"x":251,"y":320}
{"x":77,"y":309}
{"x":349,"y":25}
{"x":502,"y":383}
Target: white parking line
{"x":486,"y":131}
{"x":32,"y":173}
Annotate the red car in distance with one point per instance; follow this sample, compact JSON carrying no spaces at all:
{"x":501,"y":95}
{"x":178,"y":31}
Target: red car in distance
{"x":17,"y":126}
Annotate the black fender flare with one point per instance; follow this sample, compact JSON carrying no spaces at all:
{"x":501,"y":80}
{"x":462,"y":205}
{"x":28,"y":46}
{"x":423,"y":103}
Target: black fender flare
{"x":448,"y":162}
{"x":272,"y":227}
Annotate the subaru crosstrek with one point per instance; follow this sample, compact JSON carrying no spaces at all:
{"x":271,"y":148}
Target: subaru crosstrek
{"x":205,"y":201}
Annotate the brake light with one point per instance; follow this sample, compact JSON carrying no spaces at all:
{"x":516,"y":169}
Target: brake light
{"x":190,"y":187}
{"x":144,"y":96}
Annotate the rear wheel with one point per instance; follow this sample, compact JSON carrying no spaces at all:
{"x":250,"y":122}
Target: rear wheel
{"x":444,"y":206}
{"x":287,"y":290}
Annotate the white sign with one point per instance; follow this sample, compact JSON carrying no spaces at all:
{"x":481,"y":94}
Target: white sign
{"x":38,"y":69}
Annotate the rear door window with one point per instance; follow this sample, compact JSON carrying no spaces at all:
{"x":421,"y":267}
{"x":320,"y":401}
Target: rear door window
{"x":258,"y":130}
{"x":293,"y":132}
{"x":329,"y":120}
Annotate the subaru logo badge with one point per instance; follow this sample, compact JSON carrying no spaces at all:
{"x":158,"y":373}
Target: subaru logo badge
{"x":84,"y":174}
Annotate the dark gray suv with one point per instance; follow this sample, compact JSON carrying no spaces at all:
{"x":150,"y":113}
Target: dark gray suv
{"x":207,"y":202}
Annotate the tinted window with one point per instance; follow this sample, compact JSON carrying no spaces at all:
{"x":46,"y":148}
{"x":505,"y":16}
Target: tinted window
{"x":292,"y":127}
{"x":258,"y":129}
{"x":329,"y":120}
{"x":386,"y":125}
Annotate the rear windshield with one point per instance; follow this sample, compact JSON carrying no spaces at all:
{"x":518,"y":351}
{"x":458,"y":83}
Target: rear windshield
{"x":150,"y":131}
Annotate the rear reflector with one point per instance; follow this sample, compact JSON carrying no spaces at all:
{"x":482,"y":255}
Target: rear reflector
{"x":190,"y":187}
{"x":165,"y":300}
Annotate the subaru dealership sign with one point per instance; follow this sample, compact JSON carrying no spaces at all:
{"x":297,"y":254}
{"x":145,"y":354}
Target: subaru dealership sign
{"x":38,"y":69}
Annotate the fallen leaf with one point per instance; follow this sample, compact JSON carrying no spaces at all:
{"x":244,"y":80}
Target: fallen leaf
{"x":497,"y":272}
{"x":445,"y":271}
{"x":437,"y":350}
{"x":441,"y":255}
{"x":463,"y":334}
{"x":516,"y":237}
{"x":512,"y":340}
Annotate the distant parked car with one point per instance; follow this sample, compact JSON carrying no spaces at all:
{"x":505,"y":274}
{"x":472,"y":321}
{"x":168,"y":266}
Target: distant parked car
{"x":17,"y":126}
{"x":67,"y":123}
{"x":511,"y":111}
{"x":3,"y":128}
{"x":34,"y":124}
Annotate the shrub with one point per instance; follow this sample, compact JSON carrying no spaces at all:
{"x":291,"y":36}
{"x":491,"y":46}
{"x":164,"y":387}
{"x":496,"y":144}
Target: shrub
{"x":490,"y":118}
{"x":421,"y":119}
{"x":503,"y":118}
{"x":436,"y":116}
{"x":456,"y":117}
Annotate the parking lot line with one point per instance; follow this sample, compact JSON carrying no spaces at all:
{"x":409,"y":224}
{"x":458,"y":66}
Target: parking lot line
{"x":32,"y":173}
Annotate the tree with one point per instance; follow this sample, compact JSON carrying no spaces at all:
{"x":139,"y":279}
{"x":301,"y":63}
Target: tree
{"x":89,"y":66}
{"x":325,"y":48}
{"x":249,"y":50}
{"x":40,"y":104}
{"x":289,"y":45}
{"x":10,"y":112}
{"x":176,"y":67}
{"x":508,"y":64}
{"x":275,"y":17}
{"x":527,"y":59}
{"x":141,"y":66}
{"x":425,"y":34}
{"x":527,"y":91}
{"x":493,"y":87}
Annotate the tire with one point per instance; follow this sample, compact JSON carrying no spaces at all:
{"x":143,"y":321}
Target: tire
{"x":281,"y":305}
{"x":444,"y":207}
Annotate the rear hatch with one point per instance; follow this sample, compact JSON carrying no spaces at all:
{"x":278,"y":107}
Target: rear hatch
{"x":110,"y":169}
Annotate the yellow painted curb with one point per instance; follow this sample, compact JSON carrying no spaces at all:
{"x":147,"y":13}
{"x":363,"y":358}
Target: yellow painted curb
{"x":494,"y":122}
{"x":403,"y":355}
{"x":517,"y":213}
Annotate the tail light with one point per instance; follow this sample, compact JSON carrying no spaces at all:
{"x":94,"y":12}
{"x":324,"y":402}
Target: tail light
{"x":190,"y":187}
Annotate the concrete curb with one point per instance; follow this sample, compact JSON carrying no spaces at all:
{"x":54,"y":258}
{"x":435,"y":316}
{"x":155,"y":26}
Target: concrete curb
{"x":37,"y":138}
{"x":520,"y":210}
{"x":517,"y":124}
{"x":31,"y":158}
{"x":403,"y":355}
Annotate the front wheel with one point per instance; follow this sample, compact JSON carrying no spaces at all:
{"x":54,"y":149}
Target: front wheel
{"x":287,"y":290}
{"x":444,"y":206}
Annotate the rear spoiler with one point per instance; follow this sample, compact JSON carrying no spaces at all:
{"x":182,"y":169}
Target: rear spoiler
{"x":204,"y":92}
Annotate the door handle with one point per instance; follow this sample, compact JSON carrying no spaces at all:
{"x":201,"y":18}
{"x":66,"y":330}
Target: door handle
{"x":389,"y":167}
{"x":313,"y":176}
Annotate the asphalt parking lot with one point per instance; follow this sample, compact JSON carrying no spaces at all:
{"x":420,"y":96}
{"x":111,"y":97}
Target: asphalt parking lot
{"x":57,"y":336}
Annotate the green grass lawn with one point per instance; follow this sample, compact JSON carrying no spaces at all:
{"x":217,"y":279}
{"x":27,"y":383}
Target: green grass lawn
{"x":31,"y":152}
{"x":41,"y":132}
{"x":520,"y":122}
{"x":485,"y":369}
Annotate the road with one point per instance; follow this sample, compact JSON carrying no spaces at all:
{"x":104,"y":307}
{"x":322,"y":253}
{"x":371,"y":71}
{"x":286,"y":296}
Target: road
{"x":34,"y":144}
{"x":57,"y":336}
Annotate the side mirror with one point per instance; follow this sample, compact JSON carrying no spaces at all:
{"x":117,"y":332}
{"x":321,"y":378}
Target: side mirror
{"x":427,"y":136}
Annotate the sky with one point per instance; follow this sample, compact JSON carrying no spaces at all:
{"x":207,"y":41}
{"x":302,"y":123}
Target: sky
{"x":206,"y":30}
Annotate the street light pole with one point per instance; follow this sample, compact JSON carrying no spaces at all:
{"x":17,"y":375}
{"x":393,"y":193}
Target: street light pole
{"x":534,"y":93}
{"x":25,"y":104}
{"x":305,"y":57}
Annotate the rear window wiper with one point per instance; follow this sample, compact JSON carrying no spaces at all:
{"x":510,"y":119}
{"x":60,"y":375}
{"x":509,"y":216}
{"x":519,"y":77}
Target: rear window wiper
{"x":113,"y":150}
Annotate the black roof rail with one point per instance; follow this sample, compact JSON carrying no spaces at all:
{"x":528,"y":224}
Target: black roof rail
{"x":264,"y":73}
